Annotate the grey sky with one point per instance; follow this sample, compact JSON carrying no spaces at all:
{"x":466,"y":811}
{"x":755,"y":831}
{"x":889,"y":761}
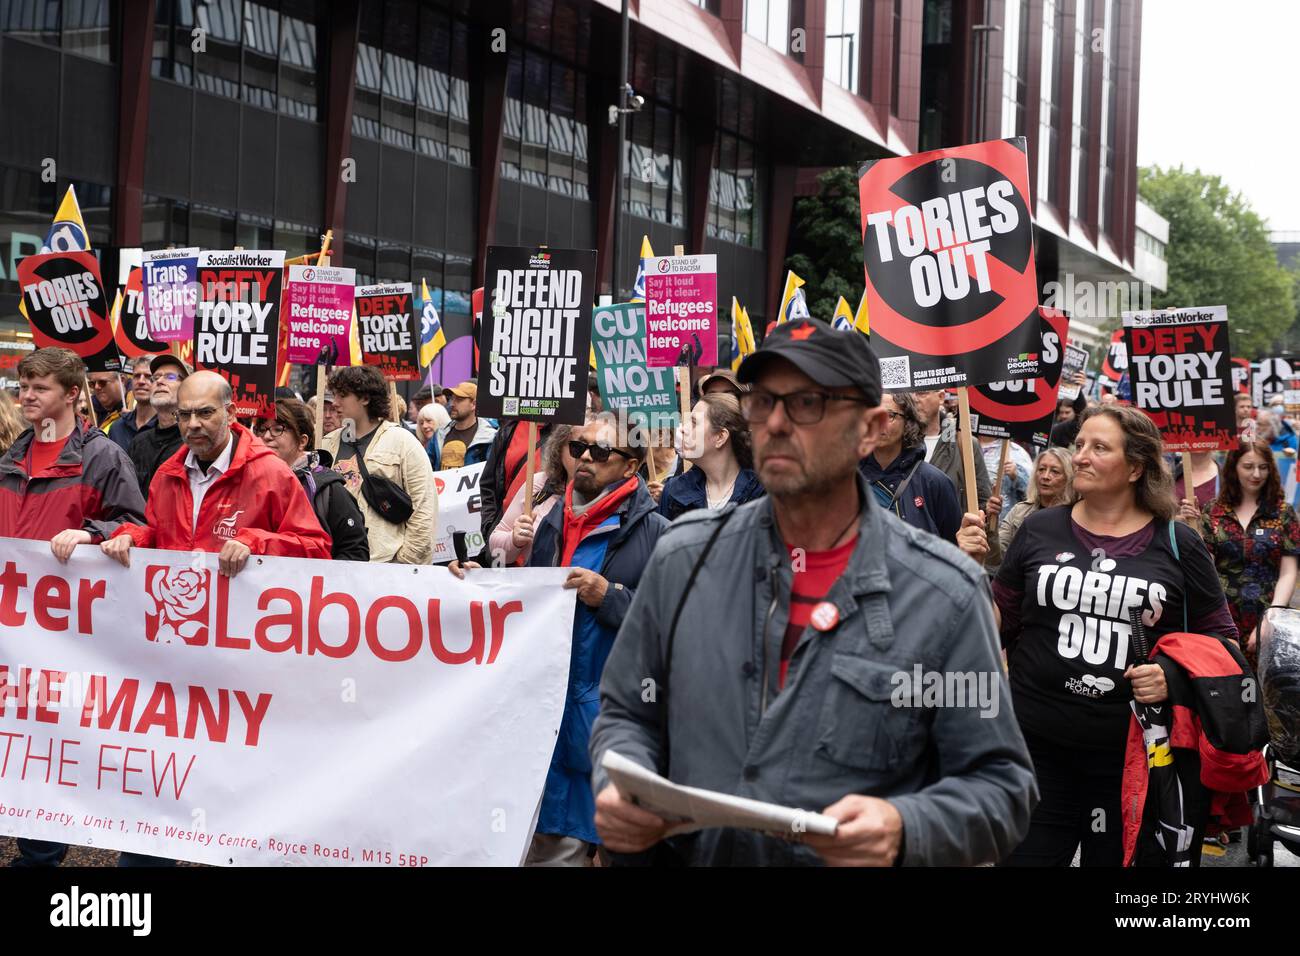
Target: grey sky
{"x":1218,"y":92}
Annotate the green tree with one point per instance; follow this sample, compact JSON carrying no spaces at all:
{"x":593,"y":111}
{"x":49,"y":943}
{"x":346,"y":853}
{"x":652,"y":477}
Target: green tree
{"x":827,"y":246}
{"x":1219,"y":254}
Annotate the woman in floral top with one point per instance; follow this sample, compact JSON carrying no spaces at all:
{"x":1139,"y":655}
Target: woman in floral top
{"x":1254,"y":537}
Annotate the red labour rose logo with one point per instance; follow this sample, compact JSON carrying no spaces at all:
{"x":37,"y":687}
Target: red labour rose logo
{"x":176,"y":604}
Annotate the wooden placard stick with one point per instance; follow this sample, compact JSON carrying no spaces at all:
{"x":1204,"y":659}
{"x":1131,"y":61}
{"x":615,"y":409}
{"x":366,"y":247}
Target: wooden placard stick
{"x":997,"y":480}
{"x":967,"y":453}
{"x":1189,"y":481}
{"x":530,"y":468}
{"x":322,"y":370}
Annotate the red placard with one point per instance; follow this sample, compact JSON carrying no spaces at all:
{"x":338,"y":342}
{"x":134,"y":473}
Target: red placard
{"x":67,"y":309}
{"x":948,"y":251}
{"x":132,"y":331}
{"x":1023,"y":410}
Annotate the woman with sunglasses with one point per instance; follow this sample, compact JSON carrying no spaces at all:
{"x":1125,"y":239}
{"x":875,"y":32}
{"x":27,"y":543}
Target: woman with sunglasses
{"x":291,"y":436}
{"x":717,"y":442}
{"x":512,"y":538}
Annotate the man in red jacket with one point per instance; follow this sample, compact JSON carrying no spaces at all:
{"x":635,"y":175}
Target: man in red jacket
{"x":63,"y":481}
{"x":224,"y":492}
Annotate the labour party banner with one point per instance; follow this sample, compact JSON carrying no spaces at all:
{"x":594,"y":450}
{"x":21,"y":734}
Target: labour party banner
{"x":645,"y":397}
{"x":1076,"y":360}
{"x":536,"y":334}
{"x":237,"y":326}
{"x":318,"y":310}
{"x":1241,"y":376}
{"x":171,"y":293}
{"x":1179,"y":362}
{"x":459,"y":508}
{"x":132,"y":329}
{"x":302,"y":713}
{"x":1022,"y":409}
{"x":386,"y":329}
{"x":947,"y":243}
{"x":65,"y":304}
{"x":681,"y":309}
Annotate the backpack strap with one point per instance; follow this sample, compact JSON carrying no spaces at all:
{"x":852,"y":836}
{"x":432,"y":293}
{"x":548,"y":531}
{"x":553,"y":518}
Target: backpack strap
{"x":1173,"y":544}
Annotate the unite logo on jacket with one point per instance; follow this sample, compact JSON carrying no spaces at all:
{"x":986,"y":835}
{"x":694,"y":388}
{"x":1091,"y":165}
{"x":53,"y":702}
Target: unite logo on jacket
{"x":225,"y":527}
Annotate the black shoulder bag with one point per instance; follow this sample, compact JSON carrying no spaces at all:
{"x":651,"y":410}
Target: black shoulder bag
{"x":386,"y":497}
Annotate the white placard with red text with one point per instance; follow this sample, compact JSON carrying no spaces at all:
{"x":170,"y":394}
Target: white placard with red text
{"x":302,"y":713}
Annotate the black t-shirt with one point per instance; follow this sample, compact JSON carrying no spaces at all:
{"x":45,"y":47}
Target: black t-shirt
{"x":1067,"y":667}
{"x":349,"y":454}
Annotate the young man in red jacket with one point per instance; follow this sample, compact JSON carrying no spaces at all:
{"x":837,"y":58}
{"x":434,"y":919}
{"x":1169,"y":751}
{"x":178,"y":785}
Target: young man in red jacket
{"x":61,"y":481}
{"x":225,"y":491}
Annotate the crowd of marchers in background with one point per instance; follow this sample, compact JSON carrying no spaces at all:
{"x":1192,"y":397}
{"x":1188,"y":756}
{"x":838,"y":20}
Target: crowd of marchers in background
{"x":770,"y":566}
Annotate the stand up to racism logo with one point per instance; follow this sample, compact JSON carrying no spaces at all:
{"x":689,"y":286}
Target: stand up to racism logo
{"x":947,"y":243}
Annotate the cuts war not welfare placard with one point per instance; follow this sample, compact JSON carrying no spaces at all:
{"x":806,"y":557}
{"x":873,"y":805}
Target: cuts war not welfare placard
{"x":302,"y":713}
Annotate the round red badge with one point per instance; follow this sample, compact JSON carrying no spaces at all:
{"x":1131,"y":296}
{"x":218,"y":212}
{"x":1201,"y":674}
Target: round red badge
{"x":920,"y":502}
{"x":825,"y":616}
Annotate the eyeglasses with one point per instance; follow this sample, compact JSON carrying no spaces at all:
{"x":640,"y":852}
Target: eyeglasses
{"x":269,"y":430}
{"x":166,"y":376}
{"x":104,"y":383}
{"x":895,"y":416}
{"x":202,"y":414}
{"x":803,"y":408}
{"x":599,"y":452}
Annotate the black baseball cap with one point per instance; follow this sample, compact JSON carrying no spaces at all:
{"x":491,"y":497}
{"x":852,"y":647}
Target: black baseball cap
{"x":828,"y":356}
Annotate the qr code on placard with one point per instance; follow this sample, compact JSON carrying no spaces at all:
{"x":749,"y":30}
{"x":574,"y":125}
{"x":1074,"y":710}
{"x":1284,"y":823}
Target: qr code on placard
{"x":510,"y":406}
{"x":896,"y":372}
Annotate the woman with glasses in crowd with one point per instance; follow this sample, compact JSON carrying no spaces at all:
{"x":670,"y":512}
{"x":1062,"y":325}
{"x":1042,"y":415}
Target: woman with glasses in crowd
{"x":1052,"y":485}
{"x":291,"y":435}
{"x":717,"y":442}
{"x":512,"y":538}
{"x":1253,"y":536}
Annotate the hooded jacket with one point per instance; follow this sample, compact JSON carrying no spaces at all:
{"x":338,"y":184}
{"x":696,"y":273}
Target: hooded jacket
{"x":475,"y":452}
{"x":907,"y":603}
{"x":929,"y":501}
{"x":568,"y":804}
{"x":688,"y":492}
{"x":257,"y":502}
{"x":947,"y":458}
{"x":1213,"y":734}
{"x":93,"y":488}
{"x":336,"y":510}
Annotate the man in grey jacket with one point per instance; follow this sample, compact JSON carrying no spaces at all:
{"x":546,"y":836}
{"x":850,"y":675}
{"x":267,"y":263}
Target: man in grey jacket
{"x":811,"y":650}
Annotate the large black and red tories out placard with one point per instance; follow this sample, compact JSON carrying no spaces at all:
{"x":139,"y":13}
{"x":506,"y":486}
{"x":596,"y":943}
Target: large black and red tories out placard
{"x":947,"y":244}
{"x":67,"y":308}
{"x":1180,"y":366}
{"x":1023,"y":409}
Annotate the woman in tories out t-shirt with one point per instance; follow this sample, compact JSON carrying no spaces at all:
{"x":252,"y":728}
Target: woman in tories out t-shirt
{"x":1066,"y":591}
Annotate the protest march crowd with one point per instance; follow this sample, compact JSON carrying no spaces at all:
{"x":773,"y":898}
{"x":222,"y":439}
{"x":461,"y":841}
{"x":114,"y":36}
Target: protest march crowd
{"x":821,"y":583}
{"x":798,"y":475}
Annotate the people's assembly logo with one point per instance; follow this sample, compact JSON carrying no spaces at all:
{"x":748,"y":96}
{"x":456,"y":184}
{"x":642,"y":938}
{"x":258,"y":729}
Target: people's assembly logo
{"x":1025,"y":400}
{"x":948,"y":243}
{"x":176,"y":604}
{"x":541,"y":260}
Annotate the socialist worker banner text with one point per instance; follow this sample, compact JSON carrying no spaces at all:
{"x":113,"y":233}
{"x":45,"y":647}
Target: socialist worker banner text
{"x":303,"y":713}
{"x":948,"y":247}
{"x":237,"y":326}
{"x":1180,"y":366}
